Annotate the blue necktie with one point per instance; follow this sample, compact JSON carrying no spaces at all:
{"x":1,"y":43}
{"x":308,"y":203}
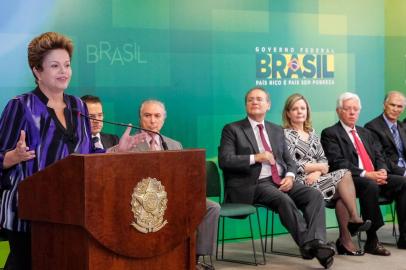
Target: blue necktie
{"x":399,"y":144}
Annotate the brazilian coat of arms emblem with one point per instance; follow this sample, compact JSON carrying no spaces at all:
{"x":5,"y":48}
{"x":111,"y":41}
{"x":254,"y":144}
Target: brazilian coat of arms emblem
{"x":149,"y":202}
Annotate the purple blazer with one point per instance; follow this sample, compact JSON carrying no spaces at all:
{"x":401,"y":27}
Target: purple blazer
{"x":44,"y":134}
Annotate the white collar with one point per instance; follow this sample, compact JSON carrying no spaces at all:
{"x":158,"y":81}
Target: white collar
{"x":348,"y":128}
{"x":255,"y":124}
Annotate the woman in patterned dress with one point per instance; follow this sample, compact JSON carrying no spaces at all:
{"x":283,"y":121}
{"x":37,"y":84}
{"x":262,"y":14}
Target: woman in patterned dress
{"x":305,"y":148}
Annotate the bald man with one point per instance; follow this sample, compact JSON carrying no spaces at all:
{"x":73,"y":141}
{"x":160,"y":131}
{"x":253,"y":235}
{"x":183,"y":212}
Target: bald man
{"x":391,"y":133}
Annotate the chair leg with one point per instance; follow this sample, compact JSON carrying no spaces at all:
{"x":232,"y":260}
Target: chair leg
{"x":218,"y":234}
{"x":260,"y":232}
{"x":272,"y":230}
{"x":393,"y":213}
{"x":222,"y":242}
{"x":253,"y":246}
{"x":204,"y":260}
{"x":266,"y":229}
{"x":272,"y":241}
{"x":393,"y":220}
{"x":260,"y":238}
{"x":252,"y":241}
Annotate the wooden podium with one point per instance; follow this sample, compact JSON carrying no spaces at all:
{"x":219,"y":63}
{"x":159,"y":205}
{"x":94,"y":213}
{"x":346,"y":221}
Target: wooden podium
{"x":81,"y":211}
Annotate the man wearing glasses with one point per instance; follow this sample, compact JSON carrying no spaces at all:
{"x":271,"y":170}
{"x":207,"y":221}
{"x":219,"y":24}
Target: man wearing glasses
{"x":348,"y":146}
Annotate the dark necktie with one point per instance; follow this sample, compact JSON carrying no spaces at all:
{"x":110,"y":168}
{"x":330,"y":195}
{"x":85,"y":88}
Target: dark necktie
{"x":274,"y":169}
{"x":362,"y":153}
{"x":96,"y":142}
{"x":398,"y":142}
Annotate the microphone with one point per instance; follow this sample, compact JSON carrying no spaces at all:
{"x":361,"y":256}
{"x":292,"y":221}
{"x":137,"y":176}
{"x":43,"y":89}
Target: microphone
{"x":163,"y":143}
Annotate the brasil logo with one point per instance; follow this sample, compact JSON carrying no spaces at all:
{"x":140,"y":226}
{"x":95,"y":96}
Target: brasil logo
{"x":289,"y":66}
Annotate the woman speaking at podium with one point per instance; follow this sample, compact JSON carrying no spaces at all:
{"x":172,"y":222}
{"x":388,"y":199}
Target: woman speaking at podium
{"x":37,"y":129}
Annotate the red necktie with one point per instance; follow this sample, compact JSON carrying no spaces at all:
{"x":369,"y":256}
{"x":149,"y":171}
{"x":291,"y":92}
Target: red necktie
{"x":274,"y":169}
{"x":362,"y":153}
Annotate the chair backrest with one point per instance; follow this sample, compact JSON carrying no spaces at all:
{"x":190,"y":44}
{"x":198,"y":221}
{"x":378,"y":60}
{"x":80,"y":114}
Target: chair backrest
{"x":213,"y":188}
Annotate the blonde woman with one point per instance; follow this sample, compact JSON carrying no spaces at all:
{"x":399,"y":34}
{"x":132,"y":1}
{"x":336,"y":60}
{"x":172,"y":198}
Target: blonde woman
{"x":305,"y":148}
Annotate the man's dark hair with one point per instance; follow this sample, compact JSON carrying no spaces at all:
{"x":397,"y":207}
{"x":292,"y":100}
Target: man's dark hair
{"x":90,"y":99}
{"x":256,"y":88}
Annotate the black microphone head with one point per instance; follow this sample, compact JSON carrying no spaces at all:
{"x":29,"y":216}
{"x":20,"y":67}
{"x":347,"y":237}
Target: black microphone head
{"x":164,"y":145}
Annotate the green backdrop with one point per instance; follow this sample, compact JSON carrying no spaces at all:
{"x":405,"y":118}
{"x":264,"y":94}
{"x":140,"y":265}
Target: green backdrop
{"x":199,"y":57}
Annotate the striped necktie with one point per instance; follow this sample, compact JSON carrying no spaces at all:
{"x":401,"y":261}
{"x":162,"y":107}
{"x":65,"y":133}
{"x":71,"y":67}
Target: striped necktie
{"x":153,"y":144}
{"x":399,"y":144}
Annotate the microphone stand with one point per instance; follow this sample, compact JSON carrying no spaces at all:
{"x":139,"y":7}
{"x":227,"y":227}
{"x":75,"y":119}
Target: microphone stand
{"x":164,"y":145}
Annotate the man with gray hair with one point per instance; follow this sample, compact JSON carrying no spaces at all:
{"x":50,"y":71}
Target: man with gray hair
{"x":348,"y":146}
{"x":391,"y":133}
{"x":152,"y":115}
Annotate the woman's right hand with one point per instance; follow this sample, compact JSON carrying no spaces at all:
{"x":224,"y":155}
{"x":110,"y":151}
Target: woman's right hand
{"x":18,"y":154}
{"x":312,"y":178}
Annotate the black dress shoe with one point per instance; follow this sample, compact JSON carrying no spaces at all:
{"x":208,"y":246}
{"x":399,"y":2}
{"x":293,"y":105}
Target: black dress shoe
{"x":342,"y":250}
{"x":376,"y":249}
{"x":306,"y":251}
{"x":327,"y":263}
{"x":324,"y":254}
{"x":355,"y":228}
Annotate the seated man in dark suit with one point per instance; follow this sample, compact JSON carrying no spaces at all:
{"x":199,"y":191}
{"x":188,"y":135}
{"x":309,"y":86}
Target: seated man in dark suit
{"x":100,"y":140}
{"x":391,"y":133}
{"x":258,"y":169}
{"x":348,"y":146}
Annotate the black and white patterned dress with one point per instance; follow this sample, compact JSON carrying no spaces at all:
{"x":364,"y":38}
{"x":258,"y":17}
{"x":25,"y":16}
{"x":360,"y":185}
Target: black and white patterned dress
{"x":311,"y":150}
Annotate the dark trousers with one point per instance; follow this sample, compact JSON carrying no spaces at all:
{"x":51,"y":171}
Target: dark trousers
{"x":368,"y":192}
{"x":20,"y":251}
{"x":305,"y":225}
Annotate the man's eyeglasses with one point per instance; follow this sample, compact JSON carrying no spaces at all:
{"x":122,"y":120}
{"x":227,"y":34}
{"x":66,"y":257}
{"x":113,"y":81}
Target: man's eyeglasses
{"x":256,"y":99}
{"x":350,"y":109}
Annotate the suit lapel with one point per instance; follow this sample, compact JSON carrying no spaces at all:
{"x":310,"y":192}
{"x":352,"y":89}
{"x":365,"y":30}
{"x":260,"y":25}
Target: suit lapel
{"x":386,"y":130}
{"x":249,"y":133}
{"x":346,"y":137}
{"x":362,"y":134}
{"x":272,"y":139}
{"x":103,"y":140}
{"x":402,"y":134}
